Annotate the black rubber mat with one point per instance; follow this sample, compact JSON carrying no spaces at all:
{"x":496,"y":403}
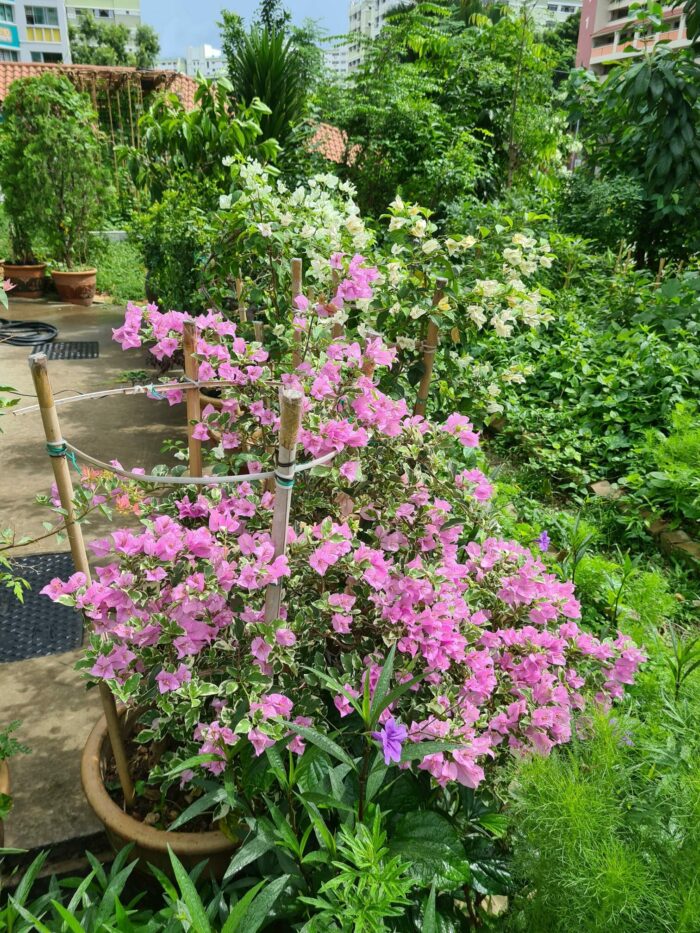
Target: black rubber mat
{"x":38,"y":626}
{"x":69,"y":349}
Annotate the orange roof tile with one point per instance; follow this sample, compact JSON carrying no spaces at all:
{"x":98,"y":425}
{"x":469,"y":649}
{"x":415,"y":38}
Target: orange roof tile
{"x":332,"y":144}
{"x":179,"y":84}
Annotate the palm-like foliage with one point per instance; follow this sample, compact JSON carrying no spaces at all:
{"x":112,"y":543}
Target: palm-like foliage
{"x":266,"y":64}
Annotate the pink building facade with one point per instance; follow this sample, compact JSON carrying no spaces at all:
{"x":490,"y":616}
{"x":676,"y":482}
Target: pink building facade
{"x":608,"y":29}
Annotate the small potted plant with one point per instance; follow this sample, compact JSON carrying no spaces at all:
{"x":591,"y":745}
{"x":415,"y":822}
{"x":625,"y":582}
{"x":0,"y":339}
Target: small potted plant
{"x":19,"y":189}
{"x":63,"y":184}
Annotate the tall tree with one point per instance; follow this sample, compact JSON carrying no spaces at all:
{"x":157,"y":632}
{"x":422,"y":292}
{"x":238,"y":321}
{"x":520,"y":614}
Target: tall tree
{"x":274,"y":61}
{"x":96,"y":43}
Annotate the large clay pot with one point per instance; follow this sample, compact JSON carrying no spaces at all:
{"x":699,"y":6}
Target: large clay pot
{"x":4,"y":789}
{"x":29,"y":281}
{"x":76,"y":288}
{"x":151,"y":844}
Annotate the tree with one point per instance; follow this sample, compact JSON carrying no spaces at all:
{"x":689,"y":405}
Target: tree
{"x":442,"y":109}
{"x":272,"y":15}
{"x":274,"y":62}
{"x":97,"y":43}
{"x":643,"y":122}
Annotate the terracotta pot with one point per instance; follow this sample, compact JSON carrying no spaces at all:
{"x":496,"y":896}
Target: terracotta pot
{"x":212,"y":400}
{"x":76,"y":288}
{"x":29,"y":281}
{"x":151,"y":844}
{"x":5,"y":788}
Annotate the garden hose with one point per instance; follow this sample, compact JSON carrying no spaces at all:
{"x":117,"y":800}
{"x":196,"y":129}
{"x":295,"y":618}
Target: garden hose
{"x":26,"y":333}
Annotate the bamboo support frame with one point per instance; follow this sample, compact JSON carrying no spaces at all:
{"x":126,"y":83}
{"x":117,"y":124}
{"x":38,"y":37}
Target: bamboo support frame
{"x":297,"y":287}
{"x":430,"y":346}
{"x":52,"y":431}
{"x":194,"y":409}
{"x":338,"y":330}
{"x":242,"y":316}
{"x":291,"y":404}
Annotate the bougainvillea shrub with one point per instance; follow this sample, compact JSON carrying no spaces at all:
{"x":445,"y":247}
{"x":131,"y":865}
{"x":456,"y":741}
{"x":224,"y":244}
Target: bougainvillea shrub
{"x":393,"y":549}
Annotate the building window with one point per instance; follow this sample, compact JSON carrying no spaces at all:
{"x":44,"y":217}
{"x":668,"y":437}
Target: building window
{"x":7,"y":14}
{"x":603,"y":40}
{"x":49,"y":58}
{"x":553,"y":7}
{"x":8,"y":55}
{"x":568,"y":9}
{"x":41,"y":15}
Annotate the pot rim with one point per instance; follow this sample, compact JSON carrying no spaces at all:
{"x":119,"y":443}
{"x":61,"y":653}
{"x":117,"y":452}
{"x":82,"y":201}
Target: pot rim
{"x":20,"y":265}
{"x":205,"y":844}
{"x":67,"y":272}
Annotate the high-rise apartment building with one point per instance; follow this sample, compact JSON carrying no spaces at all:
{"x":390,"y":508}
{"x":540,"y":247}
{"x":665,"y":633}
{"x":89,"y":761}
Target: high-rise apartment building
{"x":34,"y":32}
{"x":366,"y":18}
{"x":609,"y":28}
{"x":336,"y":59}
{"x":119,"y":12}
{"x":200,"y":59}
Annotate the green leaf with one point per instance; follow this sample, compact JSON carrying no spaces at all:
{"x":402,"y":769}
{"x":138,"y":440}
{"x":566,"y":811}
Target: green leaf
{"x":324,"y":743}
{"x":68,"y":917}
{"x":189,"y":895}
{"x":431,"y":846}
{"x":259,"y":910}
{"x":199,"y":806}
{"x":248,"y":853}
{"x":237,"y":913}
{"x":414,"y":750}
{"x":382,"y":688}
{"x":429,"y":925}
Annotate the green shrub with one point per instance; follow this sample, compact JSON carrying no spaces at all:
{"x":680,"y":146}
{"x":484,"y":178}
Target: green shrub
{"x":174,"y":237}
{"x":606,"y":834}
{"x":606,"y":210}
{"x":121,"y":273}
{"x":51,"y":170}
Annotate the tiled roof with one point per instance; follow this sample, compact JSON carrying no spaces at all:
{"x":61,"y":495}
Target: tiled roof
{"x":180,"y":84}
{"x":332,"y":144}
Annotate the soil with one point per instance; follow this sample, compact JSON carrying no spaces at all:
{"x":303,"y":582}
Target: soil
{"x":150,"y":807}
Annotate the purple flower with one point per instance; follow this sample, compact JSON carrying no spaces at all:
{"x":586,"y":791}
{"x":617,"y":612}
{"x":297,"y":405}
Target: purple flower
{"x":543,"y":542}
{"x":392,"y":737}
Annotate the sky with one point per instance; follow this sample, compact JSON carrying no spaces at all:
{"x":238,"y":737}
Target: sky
{"x":180,"y":23}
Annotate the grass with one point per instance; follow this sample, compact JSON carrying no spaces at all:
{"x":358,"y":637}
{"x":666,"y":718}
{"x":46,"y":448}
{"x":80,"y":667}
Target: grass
{"x":121,"y":273}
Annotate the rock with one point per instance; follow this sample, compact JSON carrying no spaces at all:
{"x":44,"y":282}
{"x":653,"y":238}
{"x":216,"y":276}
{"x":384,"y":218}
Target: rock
{"x":679,"y":542}
{"x":606,"y":490}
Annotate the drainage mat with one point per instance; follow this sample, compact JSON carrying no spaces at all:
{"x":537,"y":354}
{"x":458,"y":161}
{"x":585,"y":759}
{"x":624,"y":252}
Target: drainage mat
{"x":38,"y":626}
{"x":69,"y":349}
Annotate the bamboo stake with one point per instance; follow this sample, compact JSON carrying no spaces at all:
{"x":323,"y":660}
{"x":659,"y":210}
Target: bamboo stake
{"x":242,"y":316}
{"x":291,"y":401}
{"x":258,"y":331}
{"x":338,"y":329}
{"x":56,"y":448}
{"x":430,"y":346}
{"x":296,"y":291}
{"x":194,"y":410}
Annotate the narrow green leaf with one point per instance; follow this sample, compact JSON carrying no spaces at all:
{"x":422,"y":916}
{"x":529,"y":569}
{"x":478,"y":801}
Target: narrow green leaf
{"x":324,"y":743}
{"x":189,"y":895}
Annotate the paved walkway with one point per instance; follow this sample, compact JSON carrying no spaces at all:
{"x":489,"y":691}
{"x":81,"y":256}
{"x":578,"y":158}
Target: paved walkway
{"x":46,"y":693}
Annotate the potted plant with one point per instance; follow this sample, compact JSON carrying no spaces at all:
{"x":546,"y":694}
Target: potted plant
{"x":413,"y":643}
{"x":19,"y":187}
{"x":69,"y":188}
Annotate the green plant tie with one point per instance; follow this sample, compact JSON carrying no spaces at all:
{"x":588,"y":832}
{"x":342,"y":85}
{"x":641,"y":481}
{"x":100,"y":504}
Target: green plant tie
{"x":286,"y":482}
{"x":60,"y":449}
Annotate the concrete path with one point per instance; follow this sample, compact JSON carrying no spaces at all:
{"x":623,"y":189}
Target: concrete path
{"x":46,"y":693}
